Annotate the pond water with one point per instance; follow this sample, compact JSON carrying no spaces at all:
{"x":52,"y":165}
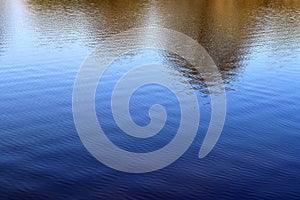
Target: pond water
{"x":256,"y":46}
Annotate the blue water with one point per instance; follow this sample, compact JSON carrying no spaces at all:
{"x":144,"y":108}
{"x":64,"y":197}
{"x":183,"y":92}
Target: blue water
{"x":255,"y":44}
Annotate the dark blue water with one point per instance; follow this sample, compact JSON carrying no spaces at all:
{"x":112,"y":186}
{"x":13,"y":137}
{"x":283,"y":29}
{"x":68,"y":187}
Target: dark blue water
{"x":255,"y":44}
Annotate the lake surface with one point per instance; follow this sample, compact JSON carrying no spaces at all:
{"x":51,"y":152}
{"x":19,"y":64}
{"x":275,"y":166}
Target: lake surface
{"x":256,"y":46}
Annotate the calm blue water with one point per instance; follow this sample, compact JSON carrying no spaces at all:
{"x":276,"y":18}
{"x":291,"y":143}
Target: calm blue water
{"x":255,"y":44}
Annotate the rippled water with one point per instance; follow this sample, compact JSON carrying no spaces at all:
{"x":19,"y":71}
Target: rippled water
{"x":255,"y":44}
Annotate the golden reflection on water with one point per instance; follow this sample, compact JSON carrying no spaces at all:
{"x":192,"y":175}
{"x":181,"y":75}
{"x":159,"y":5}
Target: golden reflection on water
{"x":227,"y":29}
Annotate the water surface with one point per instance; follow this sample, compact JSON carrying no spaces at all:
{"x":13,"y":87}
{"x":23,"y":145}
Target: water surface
{"x":256,"y":46}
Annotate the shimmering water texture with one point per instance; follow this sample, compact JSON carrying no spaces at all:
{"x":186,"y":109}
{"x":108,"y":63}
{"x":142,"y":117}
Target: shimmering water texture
{"x":256,"y":47}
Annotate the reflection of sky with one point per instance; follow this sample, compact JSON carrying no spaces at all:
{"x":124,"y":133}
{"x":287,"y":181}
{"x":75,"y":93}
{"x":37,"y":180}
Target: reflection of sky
{"x":142,"y":99}
{"x":4,"y":27}
{"x":21,"y":35}
{"x":25,"y":46}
